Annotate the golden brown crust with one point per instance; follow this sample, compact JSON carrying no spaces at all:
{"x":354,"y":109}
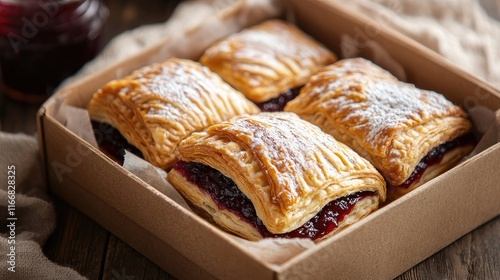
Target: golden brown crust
{"x":287,"y":167}
{"x":268,"y":59}
{"x":391,"y":123}
{"x":232,"y":222}
{"x":448,"y":160}
{"x":157,"y":106}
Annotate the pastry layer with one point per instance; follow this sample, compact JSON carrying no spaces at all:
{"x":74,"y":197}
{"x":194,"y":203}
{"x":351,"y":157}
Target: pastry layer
{"x":221,"y":198}
{"x":268,"y":59}
{"x":390,"y":123}
{"x":286,"y":166}
{"x":159,"y":105}
{"x":436,"y":162}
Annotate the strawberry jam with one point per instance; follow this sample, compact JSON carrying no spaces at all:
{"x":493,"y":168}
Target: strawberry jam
{"x":112,"y":143}
{"x":228,"y":196}
{"x":277,"y":104}
{"x":435,"y":156}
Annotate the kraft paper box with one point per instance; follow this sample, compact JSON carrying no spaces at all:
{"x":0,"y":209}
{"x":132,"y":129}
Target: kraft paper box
{"x":136,"y":204}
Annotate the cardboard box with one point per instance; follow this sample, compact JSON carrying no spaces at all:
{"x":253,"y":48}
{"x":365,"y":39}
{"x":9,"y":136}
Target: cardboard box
{"x":381,"y":246}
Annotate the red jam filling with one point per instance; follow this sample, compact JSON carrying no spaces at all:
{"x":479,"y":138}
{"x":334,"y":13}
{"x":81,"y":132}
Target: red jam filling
{"x":278,"y":103}
{"x":227,"y":196}
{"x":435,"y":156}
{"x":43,"y":42}
{"x":112,"y":143}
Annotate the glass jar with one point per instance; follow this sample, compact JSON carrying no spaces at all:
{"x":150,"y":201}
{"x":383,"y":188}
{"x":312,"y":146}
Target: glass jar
{"x":42,"y":42}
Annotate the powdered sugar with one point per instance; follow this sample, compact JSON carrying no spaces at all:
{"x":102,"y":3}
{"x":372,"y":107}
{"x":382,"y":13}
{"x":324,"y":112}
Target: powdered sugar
{"x":271,"y":57}
{"x":182,"y":90}
{"x":268,"y":43}
{"x":379,"y":108}
{"x":293,"y":152}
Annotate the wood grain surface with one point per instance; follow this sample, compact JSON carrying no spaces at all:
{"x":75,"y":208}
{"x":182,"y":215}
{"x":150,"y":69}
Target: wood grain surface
{"x":82,"y":244}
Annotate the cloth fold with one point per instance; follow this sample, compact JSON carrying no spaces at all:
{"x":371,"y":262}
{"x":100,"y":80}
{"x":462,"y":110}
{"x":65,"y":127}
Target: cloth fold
{"x":30,"y":218}
{"x":460,"y":30}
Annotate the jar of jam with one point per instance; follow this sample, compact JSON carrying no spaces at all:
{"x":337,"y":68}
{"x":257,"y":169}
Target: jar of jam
{"x":42,"y":42}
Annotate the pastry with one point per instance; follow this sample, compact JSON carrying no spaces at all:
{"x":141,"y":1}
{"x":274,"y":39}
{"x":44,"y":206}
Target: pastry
{"x":268,"y":62}
{"x":159,"y":105}
{"x":276,"y":175}
{"x":391,"y":123}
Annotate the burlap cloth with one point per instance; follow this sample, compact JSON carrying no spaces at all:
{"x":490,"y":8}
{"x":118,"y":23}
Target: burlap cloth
{"x":460,"y":30}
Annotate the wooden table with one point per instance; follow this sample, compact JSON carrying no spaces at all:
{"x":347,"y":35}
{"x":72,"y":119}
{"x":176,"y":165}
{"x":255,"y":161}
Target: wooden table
{"x":82,"y":244}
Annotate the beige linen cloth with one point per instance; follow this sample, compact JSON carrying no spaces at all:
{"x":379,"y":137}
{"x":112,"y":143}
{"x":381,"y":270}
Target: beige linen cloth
{"x":460,"y":30}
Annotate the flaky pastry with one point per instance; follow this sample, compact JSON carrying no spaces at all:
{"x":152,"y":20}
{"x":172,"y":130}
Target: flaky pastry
{"x":267,"y":60}
{"x":392,"y":124}
{"x":288,"y":169}
{"x":159,"y":105}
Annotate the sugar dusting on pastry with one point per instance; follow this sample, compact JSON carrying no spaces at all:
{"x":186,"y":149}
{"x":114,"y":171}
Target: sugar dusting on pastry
{"x":288,"y":147}
{"x":391,"y":123}
{"x":389,"y":107}
{"x":366,"y":101}
{"x":159,"y":105}
{"x":274,"y":45}
{"x":179,"y":87}
{"x":266,"y":60}
{"x":291,"y":170}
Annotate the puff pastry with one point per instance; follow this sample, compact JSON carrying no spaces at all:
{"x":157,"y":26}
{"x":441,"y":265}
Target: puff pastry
{"x":159,"y":105}
{"x":287,"y":168}
{"x":267,"y":60}
{"x":392,"y":124}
